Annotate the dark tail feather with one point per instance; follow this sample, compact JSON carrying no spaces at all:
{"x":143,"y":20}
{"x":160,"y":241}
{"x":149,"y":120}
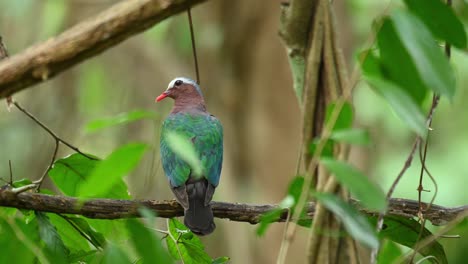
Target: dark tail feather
{"x":198,"y":218}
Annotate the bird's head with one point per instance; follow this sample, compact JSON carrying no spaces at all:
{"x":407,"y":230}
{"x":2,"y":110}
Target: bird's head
{"x":181,"y":88}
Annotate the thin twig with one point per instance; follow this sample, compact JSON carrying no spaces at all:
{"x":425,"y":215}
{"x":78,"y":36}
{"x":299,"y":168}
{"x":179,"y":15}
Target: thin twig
{"x":48,"y":130}
{"x":11,"y":173}
{"x":52,"y":160}
{"x":406,"y":166}
{"x":159,"y":230}
{"x":194,"y":49}
{"x":428,"y":240}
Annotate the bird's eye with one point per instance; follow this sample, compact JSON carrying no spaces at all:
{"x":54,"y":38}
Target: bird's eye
{"x":178,"y":82}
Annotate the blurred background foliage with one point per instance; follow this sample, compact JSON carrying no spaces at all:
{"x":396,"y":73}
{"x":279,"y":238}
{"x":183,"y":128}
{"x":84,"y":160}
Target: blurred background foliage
{"x":247,"y":84}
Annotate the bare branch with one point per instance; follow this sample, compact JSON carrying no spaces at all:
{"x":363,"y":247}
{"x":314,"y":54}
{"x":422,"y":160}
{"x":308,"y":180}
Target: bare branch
{"x":89,"y":38}
{"x":51,"y":133}
{"x":114,"y":209}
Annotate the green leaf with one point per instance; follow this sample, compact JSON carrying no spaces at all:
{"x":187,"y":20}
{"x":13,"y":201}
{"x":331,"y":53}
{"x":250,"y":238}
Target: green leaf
{"x":266,"y":219}
{"x":405,"y":231}
{"x":22,"y":182}
{"x":352,"y":136}
{"x":358,"y":184}
{"x":345,"y":117}
{"x":290,"y":201}
{"x":221,"y":260}
{"x":71,"y":238}
{"x":354,"y":222}
{"x":403,"y":105}
{"x":82,"y":256}
{"x":71,"y":172}
{"x":295,"y":189}
{"x":327,"y":150}
{"x":440,"y":19}
{"x":56,"y":249}
{"x":182,"y":146}
{"x":14,"y":250}
{"x":114,"y":255}
{"x":120,"y":119}
{"x":96,"y":238}
{"x":389,"y":253}
{"x":370,"y":64}
{"x":110,"y":171}
{"x":190,"y":246}
{"x":112,"y":230}
{"x":396,"y":65}
{"x":431,"y":65}
{"x":146,"y":243}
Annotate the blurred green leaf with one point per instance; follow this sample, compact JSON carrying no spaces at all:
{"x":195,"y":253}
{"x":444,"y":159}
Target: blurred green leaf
{"x":113,"y":254}
{"x":14,"y":249}
{"x":148,"y":214}
{"x":354,"y":222}
{"x":56,"y":250}
{"x":396,"y":64}
{"x":190,"y":247}
{"x":402,"y":104}
{"x":182,"y":146}
{"x":388,"y":253}
{"x":221,"y":260}
{"x":351,"y":136}
{"x":345,"y":117}
{"x":295,"y":188}
{"x":93,"y":88}
{"x":403,"y":33}
{"x":290,"y":201}
{"x":158,"y":33}
{"x":358,"y":184}
{"x":146,"y":243}
{"x":53,"y":17}
{"x":110,"y":171}
{"x":71,"y":172}
{"x":405,"y":231}
{"x":327,"y":150}
{"x":17,"y":9}
{"x":120,"y":119}
{"x":370,"y":64}
{"x":440,"y":19}
{"x":266,"y":219}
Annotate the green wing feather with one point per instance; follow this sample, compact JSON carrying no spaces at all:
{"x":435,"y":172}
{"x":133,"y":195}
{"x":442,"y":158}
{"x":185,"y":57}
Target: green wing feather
{"x":206,"y":133}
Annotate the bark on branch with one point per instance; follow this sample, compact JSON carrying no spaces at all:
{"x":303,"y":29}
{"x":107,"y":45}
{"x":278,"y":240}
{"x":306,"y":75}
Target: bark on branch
{"x":88,"y":38}
{"x":114,"y":209}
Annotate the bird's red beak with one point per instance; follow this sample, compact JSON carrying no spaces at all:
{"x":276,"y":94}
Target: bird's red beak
{"x":162,"y":96}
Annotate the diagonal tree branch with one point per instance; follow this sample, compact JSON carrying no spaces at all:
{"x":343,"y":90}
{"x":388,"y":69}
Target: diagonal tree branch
{"x":114,"y":209}
{"x":88,"y":38}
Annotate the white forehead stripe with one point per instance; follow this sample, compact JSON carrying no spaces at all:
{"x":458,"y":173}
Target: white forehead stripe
{"x":185,"y":80}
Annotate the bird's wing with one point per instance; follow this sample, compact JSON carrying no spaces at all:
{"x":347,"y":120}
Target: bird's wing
{"x":209,"y":145}
{"x":176,"y":169}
